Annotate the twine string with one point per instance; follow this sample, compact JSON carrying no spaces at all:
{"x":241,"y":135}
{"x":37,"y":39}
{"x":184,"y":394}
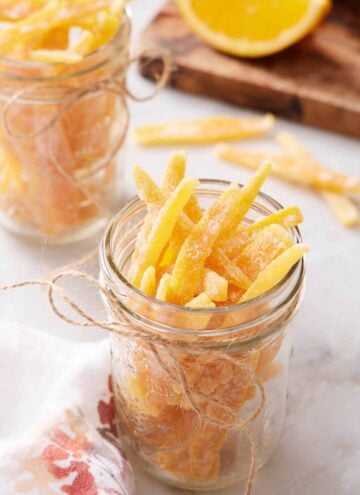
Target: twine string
{"x":253,"y":457}
{"x":122,"y":327}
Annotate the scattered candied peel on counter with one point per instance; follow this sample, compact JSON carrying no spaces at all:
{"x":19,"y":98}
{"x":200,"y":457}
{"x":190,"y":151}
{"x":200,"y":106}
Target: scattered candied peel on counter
{"x":201,"y":260}
{"x":204,"y":130}
{"x":296,"y":164}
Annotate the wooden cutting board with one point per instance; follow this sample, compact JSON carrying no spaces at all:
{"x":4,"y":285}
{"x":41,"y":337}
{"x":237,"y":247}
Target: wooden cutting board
{"x":316,"y":82}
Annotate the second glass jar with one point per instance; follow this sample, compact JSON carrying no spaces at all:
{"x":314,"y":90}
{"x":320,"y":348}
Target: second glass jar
{"x":60,"y":129}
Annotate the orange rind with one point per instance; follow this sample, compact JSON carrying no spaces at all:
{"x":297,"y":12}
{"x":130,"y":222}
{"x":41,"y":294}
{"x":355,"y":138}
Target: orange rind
{"x":252,"y":29}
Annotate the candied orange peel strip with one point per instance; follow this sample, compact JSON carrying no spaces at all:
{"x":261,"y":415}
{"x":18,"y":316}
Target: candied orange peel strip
{"x":55,"y":56}
{"x":103,"y":26}
{"x":54,"y":14}
{"x":342,"y":208}
{"x":14,"y":11}
{"x":214,"y":285}
{"x":294,"y":170}
{"x":148,"y":282}
{"x":288,"y":217}
{"x":244,"y":200}
{"x":275,"y":271}
{"x":163,"y":226}
{"x":204,"y":130}
{"x":147,"y":190}
{"x":267,"y":245}
{"x":199,"y":321}
{"x":217,"y":222}
{"x":84,"y":44}
{"x":164,"y":288}
{"x":197,"y":247}
{"x":38,"y":23}
{"x":224,"y":266}
{"x":174,"y":172}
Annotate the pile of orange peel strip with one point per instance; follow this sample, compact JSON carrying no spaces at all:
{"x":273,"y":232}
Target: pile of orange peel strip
{"x":57,"y":31}
{"x":201,"y":259}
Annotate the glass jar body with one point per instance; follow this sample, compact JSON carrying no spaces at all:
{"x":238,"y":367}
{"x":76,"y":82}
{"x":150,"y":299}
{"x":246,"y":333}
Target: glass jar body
{"x":199,"y":408}
{"x":210,"y":449}
{"x":60,"y":131}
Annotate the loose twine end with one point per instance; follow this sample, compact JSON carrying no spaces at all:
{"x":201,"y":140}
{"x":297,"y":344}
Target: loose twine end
{"x":123,"y":327}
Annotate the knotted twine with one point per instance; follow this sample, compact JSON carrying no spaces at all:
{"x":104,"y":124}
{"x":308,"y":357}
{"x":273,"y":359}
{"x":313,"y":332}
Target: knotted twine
{"x":122,"y":326}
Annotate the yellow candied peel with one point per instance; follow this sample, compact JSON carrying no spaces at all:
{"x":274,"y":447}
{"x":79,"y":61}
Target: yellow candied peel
{"x":203,"y":130}
{"x":297,"y":164}
{"x":201,"y":263}
{"x":343,"y":208}
{"x":286,"y":167}
{"x":42,"y":31}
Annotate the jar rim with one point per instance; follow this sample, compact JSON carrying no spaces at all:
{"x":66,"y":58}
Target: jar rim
{"x":78,"y":69}
{"x":107,"y":261}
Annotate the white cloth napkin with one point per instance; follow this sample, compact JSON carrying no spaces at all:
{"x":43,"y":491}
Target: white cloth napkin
{"x":56,"y":407}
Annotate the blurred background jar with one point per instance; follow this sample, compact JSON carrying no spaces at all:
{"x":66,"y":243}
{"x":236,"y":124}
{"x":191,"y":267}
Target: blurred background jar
{"x":61,"y":129}
{"x":200,"y":395}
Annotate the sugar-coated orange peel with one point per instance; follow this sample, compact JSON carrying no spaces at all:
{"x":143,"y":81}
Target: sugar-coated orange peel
{"x":177,"y":258}
{"x":266,"y":246}
{"x":297,"y":164}
{"x":216,"y":223}
{"x":31,"y":29}
{"x":286,"y":167}
{"x":204,"y":130}
{"x":148,"y":282}
{"x":343,"y":208}
{"x":163,"y":226}
{"x":214,"y":285}
{"x":275,"y":271}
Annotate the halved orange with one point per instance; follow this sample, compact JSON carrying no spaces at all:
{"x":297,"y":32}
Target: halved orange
{"x":252,"y":28}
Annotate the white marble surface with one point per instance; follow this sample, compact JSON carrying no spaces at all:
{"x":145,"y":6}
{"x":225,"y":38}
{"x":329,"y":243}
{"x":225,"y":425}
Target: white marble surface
{"x":319,"y":451}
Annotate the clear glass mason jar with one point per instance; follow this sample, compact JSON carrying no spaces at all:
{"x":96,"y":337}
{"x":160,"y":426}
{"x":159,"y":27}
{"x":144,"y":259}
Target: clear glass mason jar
{"x":61,"y":126}
{"x":199,"y":408}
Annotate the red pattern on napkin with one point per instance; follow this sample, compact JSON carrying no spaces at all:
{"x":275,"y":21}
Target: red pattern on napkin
{"x":66,"y":450}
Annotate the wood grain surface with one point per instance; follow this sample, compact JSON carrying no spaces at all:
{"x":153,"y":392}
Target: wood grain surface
{"x":316,"y":81}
